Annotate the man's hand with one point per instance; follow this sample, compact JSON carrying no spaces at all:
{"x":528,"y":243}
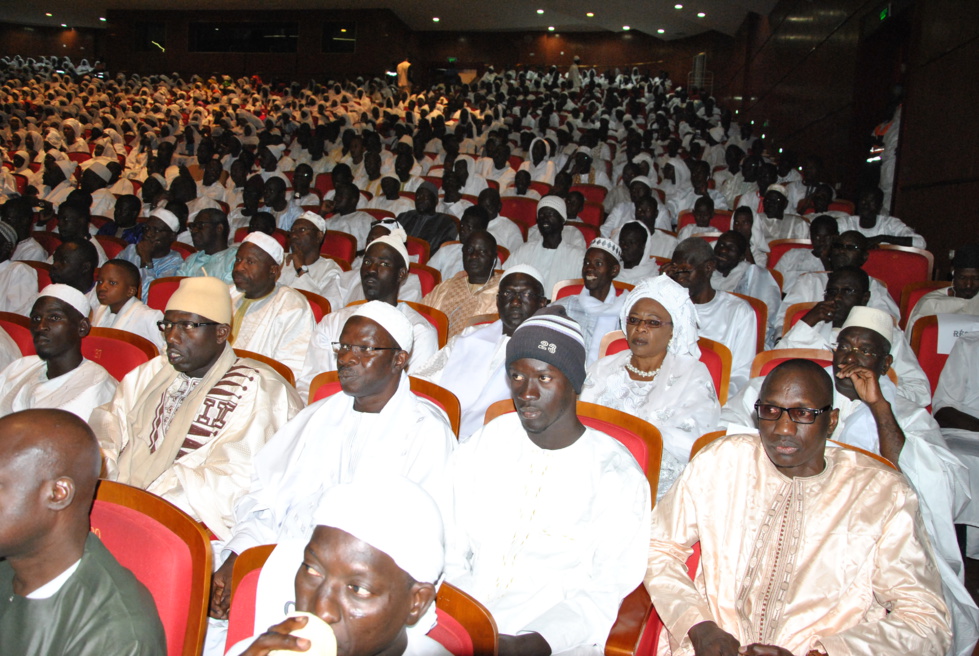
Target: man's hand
{"x":526,"y":644}
{"x":764,"y":650}
{"x":865,"y":382}
{"x":328,"y":206}
{"x":708,"y":639}
{"x":822,"y":311}
{"x":278,"y":637}
{"x":144,"y":248}
{"x":221,"y":590}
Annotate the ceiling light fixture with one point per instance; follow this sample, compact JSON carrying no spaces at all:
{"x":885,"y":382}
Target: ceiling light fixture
{"x":678,"y":6}
{"x":590,"y":14}
{"x":626,"y":28}
{"x":435,"y":19}
{"x":701,"y":15}
{"x":64,"y":25}
{"x":101,"y":18}
{"x":540,"y":11}
{"x":661,"y":31}
{"x":49,"y":14}
{"x":550,"y":28}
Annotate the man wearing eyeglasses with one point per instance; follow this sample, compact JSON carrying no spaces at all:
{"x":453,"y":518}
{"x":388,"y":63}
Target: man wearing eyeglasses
{"x":188,"y":424}
{"x":376,"y":427}
{"x":804,"y":550}
{"x":875,"y":417}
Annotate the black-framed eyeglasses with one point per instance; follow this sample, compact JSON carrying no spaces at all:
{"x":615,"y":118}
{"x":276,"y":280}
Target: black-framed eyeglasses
{"x":183,"y":326}
{"x":650,"y":323}
{"x":361,"y":349}
{"x":507,"y":295}
{"x":769,"y":412}
{"x":846,"y":349}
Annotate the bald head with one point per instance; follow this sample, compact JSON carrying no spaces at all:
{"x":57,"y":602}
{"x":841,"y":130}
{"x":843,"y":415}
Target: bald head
{"x":818,"y":383}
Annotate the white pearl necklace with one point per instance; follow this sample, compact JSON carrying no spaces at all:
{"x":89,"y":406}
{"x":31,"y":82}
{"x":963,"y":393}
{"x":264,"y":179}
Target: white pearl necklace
{"x":640,"y":372}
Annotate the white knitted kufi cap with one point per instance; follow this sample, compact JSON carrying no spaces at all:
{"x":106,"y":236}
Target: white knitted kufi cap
{"x":315,"y":219}
{"x":608,"y":246}
{"x":528,"y":270}
{"x":205,"y":296}
{"x":396,"y":240}
{"x":676,"y":300}
{"x":390,"y":319}
{"x":69,"y":295}
{"x":167,"y":217}
{"x":101,"y":170}
{"x":67,"y":167}
{"x":554,"y":202}
{"x":871,"y":318}
{"x":267,"y":244}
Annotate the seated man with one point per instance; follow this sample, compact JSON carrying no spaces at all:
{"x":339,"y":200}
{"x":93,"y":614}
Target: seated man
{"x":392,"y":535}
{"x":152,"y":252}
{"x":61,"y":591}
{"x":960,"y":298}
{"x":74,"y":263}
{"x":58,"y":376}
{"x":390,"y":199}
{"x":17,"y":280}
{"x":452,"y":202}
{"x":74,"y":224}
{"x":269,"y":319}
{"x":119,"y":307}
{"x":798,"y":261}
{"x":734,"y":274}
{"x":804,"y":549}
{"x":506,"y":232}
{"x":449,"y":259}
{"x":375,"y":428}
{"x":347,"y":218}
{"x":723,"y":317}
{"x":351,"y":285}
{"x":775,"y":222}
{"x":549,"y":526}
{"x":471,"y":364}
{"x":382,"y":274}
{"x":425,"y":223}
{"x":878,"y":228}
{"x":551,"y":254}
{"x":304,"y":267}
{"x":472,"y":291}
{"x":849,"y":249}
{"x":597,"y":306}
{"x":703,"y":212}
{"x":847,"y":288}
{"x":19,"y":213}
{"x":210,"y":232}
{"x":188,"y":424}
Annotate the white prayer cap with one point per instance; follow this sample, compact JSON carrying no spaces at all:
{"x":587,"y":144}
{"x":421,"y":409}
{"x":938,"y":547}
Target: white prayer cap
{"x":54,"y":138}
{"x":167,"y":217}
{"x":527,"y":270}
{"x":69,"y":295}
{"x":779,"y":188}
{"x":67,"y":167}
{"x":315,"y":219}
{"x":556,"y":203}
{"x":267,"y":244}
{"x":204,"y":296}
{"x":717,"y":133}
{"x":643,"y":179}
{"x":390,"y":319}
{"x":100,"y":169}
{"x":608,"y":246}
{"x":276,"y":150}
{"x":395,"y":516}
{"x":396,"y":240}
{"x":406,"y":140}
{"x":871,"y":318}
{"x":676,"y":300}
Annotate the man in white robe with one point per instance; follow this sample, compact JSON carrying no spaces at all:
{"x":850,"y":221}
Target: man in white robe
{"x":797,"y":261}
{"x":304,"y":268}
{"x":57,"y":182}
{"x":374,"y":428}
{"x":471,"y":364}
{"x":722,"y":317}
{"x":960,"y":298}
{"x":117,"y":290}
{"x":553,"y":546}
{"x":19,"y":213}
{"x":775,"y":222}
{"x":269,"y":319}
{"x":874,"y":417}
{"x":17,"y":280}
{"x":804,"y":549}
{"x":879,"y":228}
{"x":734,"y":274}
{"x":58,"y":376}
{"x":383,"y":272}
{"x":552,"y":255}
{"x":188,"y":425}
{"x":506,"y":232}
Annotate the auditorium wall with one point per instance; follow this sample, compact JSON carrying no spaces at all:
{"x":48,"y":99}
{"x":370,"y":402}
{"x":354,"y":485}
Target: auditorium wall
{"x":37,"y":41}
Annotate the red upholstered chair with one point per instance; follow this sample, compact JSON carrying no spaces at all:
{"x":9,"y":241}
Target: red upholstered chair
{"x":795,"y":312}
{"x":419,"y":247}
{"x":593,"y":193}
{"x":240,"y":235}
{"x":780,"y":247}
{"x":575,"y":285}
{"x":161,"y":290}
{"x":378,"y":214}
{"x":761,"y":319}
{"x":339,"y":244}
{"x":324,"y":183}
{"x":277,"y":366}
{"x":428,"y":276}
{"x":541,"y":188}
{"x":282,"y":237}
{"x":78,"y":158}
{"x":185,"y":250}
{"x":434,"y":179}
{"x":19,"y":329}
{"x":502,"y":253}
{"x":21,"y":181}
{"x":899,"y":266}
{"x":591,"y":214}
{"x":327,"y":384}
{"x":521,"y":209}
{"x":704,"y":440}
{"x":111,"y":245}
{"x":924,"y":343}
{"x":589,"y":232}
{"x":649,"y":639}
{"x":913,"y":292}
{"x":765,"y":361}
{"x":319,"y":305}
{"x":166,"y":550}
{"x":435,"y":317}
{"x":118,"y":351}
{"x":43,"y":270}
{"x":721,"y":220}
{"x":48,"y":240}
{"x":244,"y":589}
{"x":515,"y":162}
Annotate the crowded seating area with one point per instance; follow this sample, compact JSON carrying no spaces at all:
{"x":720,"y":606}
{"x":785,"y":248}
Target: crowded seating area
{"x":549,"y":362}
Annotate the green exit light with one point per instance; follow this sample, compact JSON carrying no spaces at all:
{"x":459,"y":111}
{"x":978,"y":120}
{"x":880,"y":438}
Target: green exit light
{"x":884,"y":13}
{"x":453,"y":60}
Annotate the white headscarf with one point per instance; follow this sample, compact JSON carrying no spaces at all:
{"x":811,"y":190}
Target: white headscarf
{"x":676,"y":300}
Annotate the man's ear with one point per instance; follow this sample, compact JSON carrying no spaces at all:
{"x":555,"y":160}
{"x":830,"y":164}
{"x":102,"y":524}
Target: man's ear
{"x":401,"y":360}
{"x":61,"y":493}
{"x":84,"y":327}
{"x":222,"y":332}
{"x":422,"y":596}
{"x":886,"y":364}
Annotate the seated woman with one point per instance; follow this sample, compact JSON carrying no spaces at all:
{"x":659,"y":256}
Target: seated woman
{"x":660,"y":379}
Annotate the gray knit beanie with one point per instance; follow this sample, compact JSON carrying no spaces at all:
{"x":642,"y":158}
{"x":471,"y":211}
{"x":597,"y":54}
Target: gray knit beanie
{"x":552,"y":337}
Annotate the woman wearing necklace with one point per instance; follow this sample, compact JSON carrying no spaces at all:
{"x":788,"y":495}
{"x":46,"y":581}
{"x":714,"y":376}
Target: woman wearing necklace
{"x":660,"y":379}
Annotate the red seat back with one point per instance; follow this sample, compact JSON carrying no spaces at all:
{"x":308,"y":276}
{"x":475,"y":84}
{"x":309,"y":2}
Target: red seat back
{"x":183,"y":249}
{"x":715,"y":365}
{"x":541,"y":188}
{"x":637,"y":447}
{"x":924,"y":343}
{"x":324,"y":183}
{"x":912,"y":293}
{"x":18,"y":327}
{"x":591,"y":214}
{"x":780,"y":247}
{"x":520,"y":209}
{"x":48,"y":240}
{"x":111,"y":245}
{"x":420,"y":248}
{"x":593,"y":193}
{"x":241,"y":615}
{"x":115,"y":356}
{"x":427,"y":276}
{"x":160,"y":292}
{"x":898,"y":267}
{"x":451,"y":635}
{"x":721,"y":220}
{"x":339,"y":244}
{"x":43,"y":270}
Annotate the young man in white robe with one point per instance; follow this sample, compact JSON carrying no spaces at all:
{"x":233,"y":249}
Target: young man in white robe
{"x":19,"y":213}
{"x":723,"y":317}
{"x":775,"y":575}
{"x":383,"y":273}
{"x":375,"y":427}
{"x":553,"y":546}
{"x":17,"y":280}
{"x":552,"y":254}
{"x":879,"y":228}
{"x":874,"y":417}
{"x":797,"y":261}
{"x":960,"y":298}
{"x":304,"y":267}
{"x":734,"y":274}
{"x":188,"y":425}
{"x":58,"y":376}
{"x":117,"y":289}
{"x":269,"y":319}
